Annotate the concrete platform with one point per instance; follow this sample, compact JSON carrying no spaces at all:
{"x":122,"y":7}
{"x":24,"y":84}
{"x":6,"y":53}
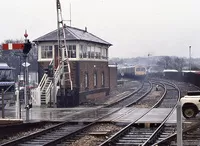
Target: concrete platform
{"x":10,"y":121}
{"x":89,"y":114}
{"x":156,"y":115}
{"x":128,"y":115}
{"x":45,"y":114}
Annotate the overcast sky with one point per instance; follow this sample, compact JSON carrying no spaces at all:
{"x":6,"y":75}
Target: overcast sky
{"x":134,"y":27}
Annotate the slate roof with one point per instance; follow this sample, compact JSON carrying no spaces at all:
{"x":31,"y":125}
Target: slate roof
{"x":72,"y":34}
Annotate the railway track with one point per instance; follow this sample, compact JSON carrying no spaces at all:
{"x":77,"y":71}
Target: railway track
{"x":152,"y":134}
{"x":134,"y":97}
{"x":82,"y":134}
{"x":56,"y":134}
{"x":191,"y":137}
{"x":132,"y":135}
{"x":149,"y":100}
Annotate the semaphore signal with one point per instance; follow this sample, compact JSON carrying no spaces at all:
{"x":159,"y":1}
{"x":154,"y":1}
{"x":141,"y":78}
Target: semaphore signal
{"x":11,"y":46}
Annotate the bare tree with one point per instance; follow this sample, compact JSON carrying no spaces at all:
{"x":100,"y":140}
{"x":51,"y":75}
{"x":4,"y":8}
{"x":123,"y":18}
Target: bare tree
{"x":165,"y":62}
{"x":178,"y":63}
{"x":172,"y":63}
{"x":14,"y":58}
{"x":14,"y":41}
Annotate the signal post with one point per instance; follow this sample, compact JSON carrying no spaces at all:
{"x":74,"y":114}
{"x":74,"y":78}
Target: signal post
{"x":26,"y":47}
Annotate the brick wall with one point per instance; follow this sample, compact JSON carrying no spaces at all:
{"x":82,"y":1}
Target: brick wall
{"x":91,"y":67}
{"x":95,"y":96}
{"x":113,"y":77}
{"x":74,"y":65}
{"x":93,"y":92}
{"x":78,"y":70}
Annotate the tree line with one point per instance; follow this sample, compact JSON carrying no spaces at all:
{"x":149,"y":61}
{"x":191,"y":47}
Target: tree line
{"x":14,"y":58}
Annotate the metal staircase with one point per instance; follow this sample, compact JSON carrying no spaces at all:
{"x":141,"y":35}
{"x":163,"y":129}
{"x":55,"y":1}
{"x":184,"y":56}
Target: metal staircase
{"x":45,"y":91}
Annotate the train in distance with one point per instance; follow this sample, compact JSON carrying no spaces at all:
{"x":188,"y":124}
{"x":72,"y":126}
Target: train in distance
{"x":136,"y":72}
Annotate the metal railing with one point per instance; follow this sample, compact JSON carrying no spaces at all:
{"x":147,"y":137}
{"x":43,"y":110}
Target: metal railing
{"x":36,"y":93}
{"x":57,"y":74}
{"x":48,"y":92}
{"x":43,"y":81}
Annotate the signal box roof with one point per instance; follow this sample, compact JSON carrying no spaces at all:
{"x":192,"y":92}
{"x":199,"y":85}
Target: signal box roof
{"x":72,"y":34}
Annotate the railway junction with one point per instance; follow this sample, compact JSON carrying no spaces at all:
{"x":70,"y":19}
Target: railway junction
{"x":140,"y":114}
{"x":74,"y":71}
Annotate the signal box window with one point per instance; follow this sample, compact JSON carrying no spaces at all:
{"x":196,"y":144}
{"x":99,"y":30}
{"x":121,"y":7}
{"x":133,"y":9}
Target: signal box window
{"x":83,"y":51}
{"x":86,"y":80}
{"x":102,"y":79}
{"x":71,"y":51}
{"x":46,"y":52}
{"x":95,"y":79}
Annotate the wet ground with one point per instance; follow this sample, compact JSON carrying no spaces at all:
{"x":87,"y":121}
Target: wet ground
{"x":38,"y":113}
{"x":124,"y":115}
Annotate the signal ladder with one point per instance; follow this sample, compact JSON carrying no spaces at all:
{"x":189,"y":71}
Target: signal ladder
{"x":63,"y":47}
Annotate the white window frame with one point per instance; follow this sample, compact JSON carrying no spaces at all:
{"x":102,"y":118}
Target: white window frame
{"x":40,"y":59}
{"x":46,"y":50}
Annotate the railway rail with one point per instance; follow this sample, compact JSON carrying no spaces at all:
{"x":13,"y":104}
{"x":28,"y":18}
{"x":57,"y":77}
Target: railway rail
{"x":153,"y":134}
{"x":140,"y":93}
{"x":131,"y":135}
{"x":191,"y":136}
{"x":57,"y":133}
{"x":150,"y":99}
{"x":134,"y":97}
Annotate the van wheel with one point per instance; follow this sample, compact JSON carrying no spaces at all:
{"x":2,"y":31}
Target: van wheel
{"x":189,"y":112}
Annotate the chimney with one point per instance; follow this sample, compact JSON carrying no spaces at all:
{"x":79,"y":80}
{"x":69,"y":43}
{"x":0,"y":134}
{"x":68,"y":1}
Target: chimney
{"x":85,"y":29}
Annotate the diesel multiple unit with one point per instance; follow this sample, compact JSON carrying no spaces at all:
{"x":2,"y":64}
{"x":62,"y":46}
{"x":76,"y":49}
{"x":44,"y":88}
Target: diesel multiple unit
{"x":132,"y":71}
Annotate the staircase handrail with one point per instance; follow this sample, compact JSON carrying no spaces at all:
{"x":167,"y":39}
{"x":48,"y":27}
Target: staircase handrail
{"x":57,"y":74}
{"x":51,"y":86}
{"x":43,"y":80}
{"x":48,"y":92}
{"x":51,"y":62}
{"x":41,"y":84}
{"x":44,"y":76}
{"x":46,"y":79}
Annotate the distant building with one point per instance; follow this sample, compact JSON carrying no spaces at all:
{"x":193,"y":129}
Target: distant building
{"x":88,"y":56}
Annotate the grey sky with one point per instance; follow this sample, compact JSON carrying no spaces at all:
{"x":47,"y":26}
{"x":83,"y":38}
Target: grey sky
{"x":134,"y":27}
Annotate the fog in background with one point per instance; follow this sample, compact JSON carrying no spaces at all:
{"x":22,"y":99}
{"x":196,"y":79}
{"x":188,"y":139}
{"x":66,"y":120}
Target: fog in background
{"x":134,"y":27}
